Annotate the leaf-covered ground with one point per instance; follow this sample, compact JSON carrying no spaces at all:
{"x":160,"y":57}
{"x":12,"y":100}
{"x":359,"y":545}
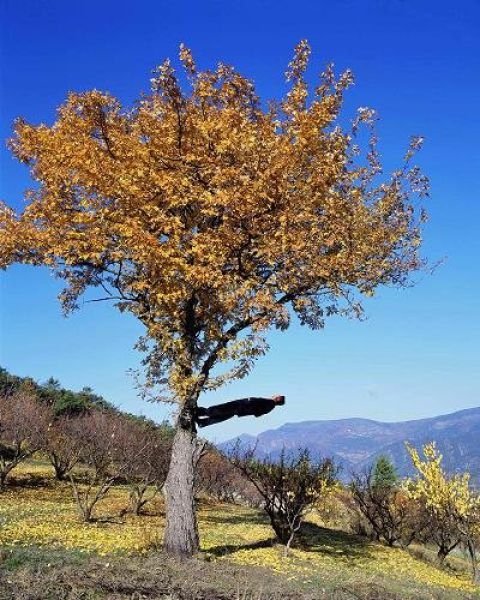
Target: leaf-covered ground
{"x":38,"y":514}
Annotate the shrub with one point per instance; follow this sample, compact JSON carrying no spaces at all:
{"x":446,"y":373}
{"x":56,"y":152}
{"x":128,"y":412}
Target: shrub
{"x":386,"y":512}
{"x":288,"y":487}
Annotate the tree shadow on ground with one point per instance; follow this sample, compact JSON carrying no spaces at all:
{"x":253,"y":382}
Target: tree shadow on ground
{"x":332,"y":542}
{"x":224,"y":549}
{"x":312,"y":539}
{"x":234,"y":519}
{"x":31,"y":481}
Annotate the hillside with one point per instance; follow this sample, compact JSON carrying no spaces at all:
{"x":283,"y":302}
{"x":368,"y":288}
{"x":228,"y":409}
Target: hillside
{"x":355,"y":443}
{"x":48,"y":553}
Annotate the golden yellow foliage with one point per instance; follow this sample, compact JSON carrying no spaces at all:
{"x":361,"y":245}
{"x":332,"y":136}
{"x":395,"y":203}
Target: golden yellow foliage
{"x":442,"y":493}
{"x":451,"y":505}
{"x":208,"y":216}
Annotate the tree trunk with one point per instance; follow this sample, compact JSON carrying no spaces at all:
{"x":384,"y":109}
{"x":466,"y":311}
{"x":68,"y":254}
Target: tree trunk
{"x":442,"y":555}
{"x":281,"y":530}
{"x":5,"y":472}
{"x":136,"y":500}
{"x":60,"y":471}
{"x":181,"y":531}
{"x":87,"y":512}
{"x":139,"y":497}
{"x":288,"y":544}
{"x":473,"y":559}
{"x":3,"y":477}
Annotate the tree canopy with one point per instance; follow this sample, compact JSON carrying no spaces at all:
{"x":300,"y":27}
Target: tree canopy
{"x":211,"y":217}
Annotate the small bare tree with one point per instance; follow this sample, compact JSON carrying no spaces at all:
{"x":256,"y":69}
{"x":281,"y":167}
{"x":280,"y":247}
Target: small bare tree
{"x":289,"y":487}
{"x":63,"y":446}
{"x":217,"y":477}
{"x":24,"y":423}
{"x":100,"y":435}
{"x":387,"y":512}
{"x":145,"y":454}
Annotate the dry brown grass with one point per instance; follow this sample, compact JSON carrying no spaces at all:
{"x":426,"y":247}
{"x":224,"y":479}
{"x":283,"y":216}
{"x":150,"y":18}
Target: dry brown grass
{"x":160,"y":577}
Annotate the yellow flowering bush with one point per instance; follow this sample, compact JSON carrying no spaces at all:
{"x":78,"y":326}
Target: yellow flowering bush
{"x":451,"y":506}
{"x":437,"y":489}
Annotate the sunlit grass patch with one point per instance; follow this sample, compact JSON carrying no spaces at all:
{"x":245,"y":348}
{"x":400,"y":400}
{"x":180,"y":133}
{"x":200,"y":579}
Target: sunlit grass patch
{"x":48,"y":517}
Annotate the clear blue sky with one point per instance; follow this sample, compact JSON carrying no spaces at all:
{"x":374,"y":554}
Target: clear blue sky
{"x":417,"y":63}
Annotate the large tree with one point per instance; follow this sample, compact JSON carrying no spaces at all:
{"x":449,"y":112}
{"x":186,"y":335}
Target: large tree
{"x":211,"y":218}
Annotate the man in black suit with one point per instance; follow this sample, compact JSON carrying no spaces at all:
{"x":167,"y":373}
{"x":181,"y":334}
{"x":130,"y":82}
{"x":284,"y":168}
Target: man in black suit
{"x":241,"y":408}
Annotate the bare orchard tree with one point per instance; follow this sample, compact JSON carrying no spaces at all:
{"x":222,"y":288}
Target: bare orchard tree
{"x":146,"y":456}
{"x":24,"y":423}
{"x":386,"y":512}
{"x":289,"y":486}
{"x":63,"y":446}
{"x":101,"y":436}
{"x":217,"y":477}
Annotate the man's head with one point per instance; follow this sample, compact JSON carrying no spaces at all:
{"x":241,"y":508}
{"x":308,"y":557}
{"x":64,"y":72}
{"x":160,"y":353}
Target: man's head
{"x":279,"y":400}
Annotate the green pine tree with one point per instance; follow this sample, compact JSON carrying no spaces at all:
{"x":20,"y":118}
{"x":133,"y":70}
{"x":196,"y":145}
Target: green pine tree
{"x":384,"y":474}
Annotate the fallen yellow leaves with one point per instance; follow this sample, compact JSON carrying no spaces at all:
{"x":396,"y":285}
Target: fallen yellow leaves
{"x":46,"y":516}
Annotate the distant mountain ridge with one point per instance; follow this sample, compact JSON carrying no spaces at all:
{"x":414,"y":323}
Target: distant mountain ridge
{"x":356,"y":443}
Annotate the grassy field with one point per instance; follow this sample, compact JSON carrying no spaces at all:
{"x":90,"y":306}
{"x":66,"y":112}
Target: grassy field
{"x":45,"y":547}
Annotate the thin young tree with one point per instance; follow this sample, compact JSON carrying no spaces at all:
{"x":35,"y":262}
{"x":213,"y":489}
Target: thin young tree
{"x":212,"y":219}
